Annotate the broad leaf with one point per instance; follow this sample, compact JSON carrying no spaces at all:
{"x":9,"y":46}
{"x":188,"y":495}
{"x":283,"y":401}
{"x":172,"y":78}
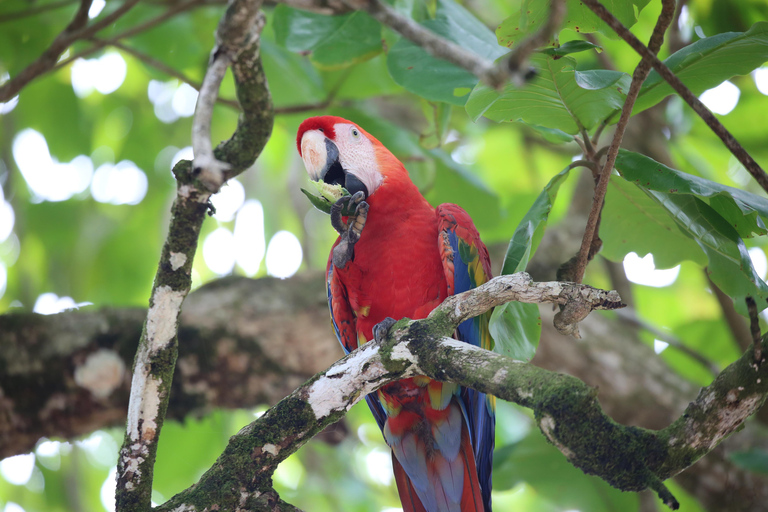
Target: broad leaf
{"x":531,"y":229}
{"x":333,"y":40}
{"x":558,"y":97}
{"x":708,"y":62}
{"x":755,"y":460}
{"x":747,"y":213}
{"x":633,"y":222}
{"x":730,"y":266}
{"x":435,"y":79}
{"x":515,"y":326}
{"x":543,"y":467}
{"x":578,"y":18}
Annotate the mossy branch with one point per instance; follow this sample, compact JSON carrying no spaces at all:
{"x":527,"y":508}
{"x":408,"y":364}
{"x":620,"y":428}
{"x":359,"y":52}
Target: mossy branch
{"x":566,"y":409}
{"x":238,"y":34}
{"x":242,"y":476}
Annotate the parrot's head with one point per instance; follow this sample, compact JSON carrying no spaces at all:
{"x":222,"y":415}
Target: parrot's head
{"x":339,"y":152}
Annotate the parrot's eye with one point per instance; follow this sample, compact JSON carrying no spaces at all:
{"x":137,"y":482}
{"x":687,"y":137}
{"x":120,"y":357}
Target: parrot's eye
{"x":355,"y":132}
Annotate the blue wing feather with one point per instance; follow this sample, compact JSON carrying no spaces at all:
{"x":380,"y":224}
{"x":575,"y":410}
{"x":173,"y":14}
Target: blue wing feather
{"x":469,"y":271}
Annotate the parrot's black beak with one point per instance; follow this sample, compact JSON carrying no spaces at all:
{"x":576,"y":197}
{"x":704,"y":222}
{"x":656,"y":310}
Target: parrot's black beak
{"x":334,"y":174}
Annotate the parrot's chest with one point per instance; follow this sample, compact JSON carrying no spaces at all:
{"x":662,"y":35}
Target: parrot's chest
{"x":397,"y":272}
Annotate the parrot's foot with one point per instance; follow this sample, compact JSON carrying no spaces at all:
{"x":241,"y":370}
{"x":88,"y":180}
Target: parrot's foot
{"x":346,"y":203}
{"x":344,"y":252}
{"x":381,"y":329}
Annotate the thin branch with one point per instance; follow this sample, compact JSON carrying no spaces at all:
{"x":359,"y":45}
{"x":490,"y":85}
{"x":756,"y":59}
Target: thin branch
{"x":141,"y":27}
{"x":591,"y":242}
{"x":728,"y":139}
{"x":162,"y":66}
{"x":630,"y":317}
{"x":738,"y":327}
{"x":158,"y":347}
{"x":75,"y":31}
{"x":432,"y":43}
{"x":34,"y":11}
{"x":517,"y":59}
{"x":754,"y":328}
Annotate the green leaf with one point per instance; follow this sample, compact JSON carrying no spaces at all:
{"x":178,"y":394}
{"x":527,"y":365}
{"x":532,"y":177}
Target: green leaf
{"x":747,"y":213}
{"x":515,"y":326}
{"x":531,"y":229}
{"x":708,"y":62}
{"x":334,"y":41}
{"x":455,"y":183}
{"x":543,"y":467}
{"x":516,"y":329}
{"x":633,"y":222}
{"x":578,"y":18}
{"x":730,"y":266}
{"x":570,"y":47}
{"x":755,"y":460}
{"x":435,"y":79}
{"x":557,"y":98}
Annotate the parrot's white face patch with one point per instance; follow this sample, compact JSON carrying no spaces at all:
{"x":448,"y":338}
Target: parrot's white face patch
{"x":357,"y":155}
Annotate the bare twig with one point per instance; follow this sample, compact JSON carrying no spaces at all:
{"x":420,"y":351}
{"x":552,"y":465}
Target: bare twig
{"x":34,"y":11}
{"x":76,"y":30}
{"x":98,"y":44}
{"x":158,"y":347}
{"x":629,"y":316}
{"x":517,"y":59}
{"x":435,"y":45}
{"x":738,"y":327}
{"x":728,"y":139}
{"x":162,"y":66}
{"x":754,"y":328}
{"x":591,"y":242}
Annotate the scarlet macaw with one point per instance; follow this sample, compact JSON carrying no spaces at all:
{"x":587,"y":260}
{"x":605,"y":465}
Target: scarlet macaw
{"x":400,"y":257}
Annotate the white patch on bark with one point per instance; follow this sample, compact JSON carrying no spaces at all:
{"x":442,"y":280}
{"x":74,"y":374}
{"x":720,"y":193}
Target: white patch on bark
{"x":270,"y":448}
{"x":401,"y":353}
{"x":184,"y":508}
{"x":144,"y":402}
{"x":177,"y":260}
{"x":548,"y":425}
{"x":162,"y":317}
{"x":101,"y":373}
{"x":522,"y":393}
{"x":344,"y":384}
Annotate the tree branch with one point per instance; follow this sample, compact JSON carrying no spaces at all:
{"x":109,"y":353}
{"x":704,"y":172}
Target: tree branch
{"x":75,"y":30}
{"x":728,"y":139}
{"x":158,"y":348}
{"x":253,"y":454}
{"x":435,"y":45}
{"x":565,"y":408}
{"x":591,"y":242}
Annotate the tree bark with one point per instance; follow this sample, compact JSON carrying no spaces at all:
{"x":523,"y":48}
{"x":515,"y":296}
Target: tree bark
{"x":247,"y":342}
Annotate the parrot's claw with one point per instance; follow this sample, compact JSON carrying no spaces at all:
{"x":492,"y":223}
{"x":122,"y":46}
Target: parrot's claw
{"x":345,"y":204}
{"x":350,"y":233}
{"x":381,"y":329}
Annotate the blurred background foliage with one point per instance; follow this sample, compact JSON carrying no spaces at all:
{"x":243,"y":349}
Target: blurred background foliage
{"x":85,"y":159}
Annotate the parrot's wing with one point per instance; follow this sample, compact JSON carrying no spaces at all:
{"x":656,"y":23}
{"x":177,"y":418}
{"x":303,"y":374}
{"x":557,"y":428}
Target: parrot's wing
{"x":345,"y":325}
{"x":467,"y":265}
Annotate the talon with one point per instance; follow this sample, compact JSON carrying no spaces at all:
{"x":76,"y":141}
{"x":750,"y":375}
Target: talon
{"x":381,"y":329}
{"x":336,"y":210}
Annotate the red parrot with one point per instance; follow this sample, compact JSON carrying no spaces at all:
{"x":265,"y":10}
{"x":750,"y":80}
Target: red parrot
{"x":397,"y":257}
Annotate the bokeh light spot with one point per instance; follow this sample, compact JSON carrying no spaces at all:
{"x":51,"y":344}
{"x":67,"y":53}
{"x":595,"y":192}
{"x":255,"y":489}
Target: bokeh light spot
{"x":643,"y":271}
{"x":219,"y":251}
{"x":18,"y":469}
{"x":229,"y":199}
{"x":250,"y":244}
{"x":284,"y":255}
{"x":721,"y":99}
